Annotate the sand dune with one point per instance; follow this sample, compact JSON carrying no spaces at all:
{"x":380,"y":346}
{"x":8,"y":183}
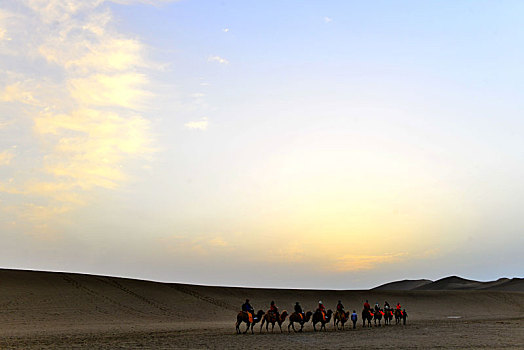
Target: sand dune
{"x":456,"y":283}
{"x":40,"y":307}
{"x":403,"y":285}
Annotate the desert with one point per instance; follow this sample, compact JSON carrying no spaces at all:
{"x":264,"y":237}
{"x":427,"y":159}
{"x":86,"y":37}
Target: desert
{"x":52,"y":310}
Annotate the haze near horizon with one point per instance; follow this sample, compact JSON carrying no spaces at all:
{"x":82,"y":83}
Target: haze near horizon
{"x":332,"y":145}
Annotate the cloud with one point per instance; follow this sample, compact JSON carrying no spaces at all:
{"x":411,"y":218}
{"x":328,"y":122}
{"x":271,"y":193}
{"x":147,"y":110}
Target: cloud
{"x":201,"y":244}
{"x":328,"y":19}
{"x":5,"y":157}
{"x":200,"y":124}
{"x":352,"y":262}
{"x":17,"y":92}
{"x":198,"y":95}
{"x":225,"y":30}
{"x":217,"y":59}
{"x":85,"y":104}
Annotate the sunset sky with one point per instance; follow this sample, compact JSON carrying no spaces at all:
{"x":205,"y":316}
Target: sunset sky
{"x":305,"y":144}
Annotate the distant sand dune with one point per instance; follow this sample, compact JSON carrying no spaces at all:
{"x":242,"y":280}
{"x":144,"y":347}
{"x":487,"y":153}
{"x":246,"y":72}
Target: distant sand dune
{"x":456,"y":283}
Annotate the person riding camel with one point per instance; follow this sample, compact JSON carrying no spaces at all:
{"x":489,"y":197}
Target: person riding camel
{"x":273,"y":308}
{"x":399,"y":307}
{"x":386,"y":306}
{"x":298,"y":310}
{"x":246,"y":307}
{"x":322,"y":309}
{"x":340,"y":307}
{"x":367,"y":306}
{"x":377,"y":307}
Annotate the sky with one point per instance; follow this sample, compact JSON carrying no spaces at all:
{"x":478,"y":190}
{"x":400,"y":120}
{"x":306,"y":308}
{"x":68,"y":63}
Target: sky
{"x":303,"y":144}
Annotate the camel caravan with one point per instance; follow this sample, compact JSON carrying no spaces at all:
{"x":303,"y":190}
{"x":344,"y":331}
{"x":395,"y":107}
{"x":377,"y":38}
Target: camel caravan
{"x":321,"y":317}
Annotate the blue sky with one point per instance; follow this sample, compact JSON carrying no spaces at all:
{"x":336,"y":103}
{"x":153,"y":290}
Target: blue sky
{"x":348,"y":143}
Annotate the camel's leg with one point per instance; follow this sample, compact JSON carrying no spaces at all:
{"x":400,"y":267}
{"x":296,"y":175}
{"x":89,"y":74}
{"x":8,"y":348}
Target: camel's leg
{"x":314,"y":326}
{"x":280,"y":326}
{"x":261,"y":325}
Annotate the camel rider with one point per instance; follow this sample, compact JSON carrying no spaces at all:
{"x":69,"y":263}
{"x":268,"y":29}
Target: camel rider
{"x":246,"y":307}
{"x":340,"y":307}
{"x":298,"y":309}
{"x":399,"y":307}
{"x":273,"y":308}
{"x":377,"y":307}
{"x":386,"y":306}
{"x":367,"y":306}
{"x":321,"y":307}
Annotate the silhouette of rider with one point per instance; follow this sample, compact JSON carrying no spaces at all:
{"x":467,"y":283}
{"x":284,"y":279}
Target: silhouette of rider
{"x":321,"y":307}
{"x":340,"y":307}
{"x":273,"y":308}
{"x":246,"y":307}
{"x":298,"y":309}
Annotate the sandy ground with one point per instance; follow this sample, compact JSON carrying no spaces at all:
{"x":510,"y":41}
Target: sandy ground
{"x":64,"y":311}
{"x":453,"y":334}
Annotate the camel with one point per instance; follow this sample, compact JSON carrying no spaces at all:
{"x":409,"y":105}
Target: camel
{"x":404,"y":316}
{"x":243,"y":317}
{"x":301,"y":320}
{"x":367,"y":315}
{"x":340,"y":317}
{"x":318,"y":317}
{"x":378,"y":316}
{"x":398,"y":316}
{"x":388,"y":316}
{"x":271,"y":317}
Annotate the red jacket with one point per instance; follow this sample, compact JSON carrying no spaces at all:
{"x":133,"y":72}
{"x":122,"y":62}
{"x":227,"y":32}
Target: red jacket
{"x":273,"y":308}
{"x":321,"y":307}
{"x":367,"y":306}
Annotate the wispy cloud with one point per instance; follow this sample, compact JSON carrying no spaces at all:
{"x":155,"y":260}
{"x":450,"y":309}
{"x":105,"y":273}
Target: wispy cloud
{"x":199,"y":125}
{"x":84,"y":103}
{"x":356,"y":262}
{"x":328,"y":19}
{"x":5,"y":157}
{"x":200,"y":244}
{"x":217,"y":59}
